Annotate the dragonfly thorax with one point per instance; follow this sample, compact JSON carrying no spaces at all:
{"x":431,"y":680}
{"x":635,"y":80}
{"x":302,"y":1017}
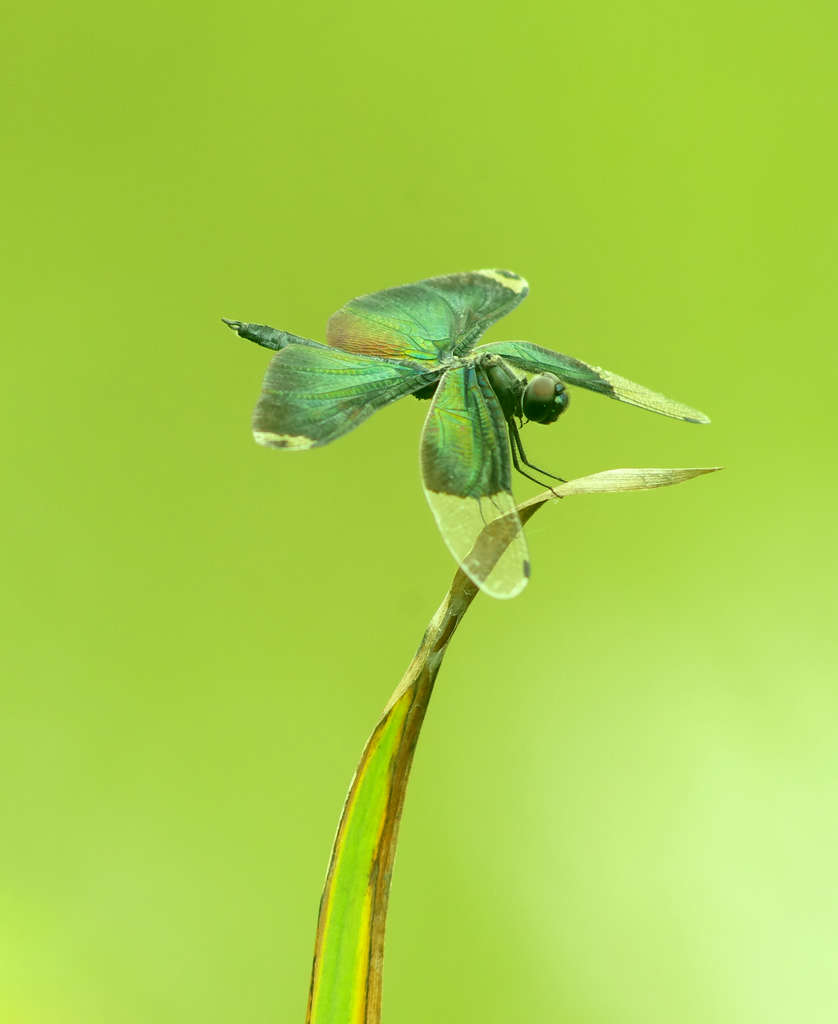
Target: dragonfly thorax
{"x":542,"y":399}
{"x":507,"y":385}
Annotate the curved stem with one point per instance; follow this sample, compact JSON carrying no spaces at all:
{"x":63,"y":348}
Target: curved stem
{"x":349,"y":947}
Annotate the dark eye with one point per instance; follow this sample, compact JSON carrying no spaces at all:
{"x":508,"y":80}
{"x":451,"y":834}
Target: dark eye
{"x":545,"y":398}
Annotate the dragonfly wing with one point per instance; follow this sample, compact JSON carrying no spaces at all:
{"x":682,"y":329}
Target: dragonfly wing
{"x":536,"y":359}
{"x":466,"y":475}
{"x":313,"y":394}
{"x":428,"y":320}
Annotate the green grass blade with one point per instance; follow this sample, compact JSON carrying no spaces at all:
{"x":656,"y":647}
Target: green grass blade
{"x":340,"y":979}
{"x":349,"y":948}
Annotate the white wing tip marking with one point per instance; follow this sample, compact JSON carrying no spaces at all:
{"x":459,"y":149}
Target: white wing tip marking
{"x":515,"y":283}
{"x":292,"y":441}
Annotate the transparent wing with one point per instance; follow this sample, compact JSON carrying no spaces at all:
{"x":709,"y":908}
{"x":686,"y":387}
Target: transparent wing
{"x":466,"y":475}
{"x":536,"y":359}
{"x":313,"y":394}
{"x":428,"y":320}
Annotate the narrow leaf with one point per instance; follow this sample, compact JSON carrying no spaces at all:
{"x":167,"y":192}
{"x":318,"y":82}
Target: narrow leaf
{"x":349,"y":948}
{"x":613,"y":481}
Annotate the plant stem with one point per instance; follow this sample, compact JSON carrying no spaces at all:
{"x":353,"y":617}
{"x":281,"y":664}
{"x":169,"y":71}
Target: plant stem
{"x":349,"y":947}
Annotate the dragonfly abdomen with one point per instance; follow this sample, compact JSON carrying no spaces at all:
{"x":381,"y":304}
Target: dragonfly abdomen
{"x":267,"y":337}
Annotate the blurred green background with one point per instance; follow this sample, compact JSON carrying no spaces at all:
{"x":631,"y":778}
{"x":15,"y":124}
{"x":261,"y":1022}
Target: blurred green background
{"x":623,"y":806}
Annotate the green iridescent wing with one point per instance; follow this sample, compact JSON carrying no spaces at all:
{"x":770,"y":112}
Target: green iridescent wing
{"x":428,"y":320}
{"x":313,"y":394}
{"x":535,"y":359}
{"x":466,"y":475}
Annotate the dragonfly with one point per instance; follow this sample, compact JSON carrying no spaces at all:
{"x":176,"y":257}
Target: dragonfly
{"x":421,"y":339}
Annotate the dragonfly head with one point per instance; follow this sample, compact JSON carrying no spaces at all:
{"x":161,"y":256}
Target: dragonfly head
{"x":545,"y":398}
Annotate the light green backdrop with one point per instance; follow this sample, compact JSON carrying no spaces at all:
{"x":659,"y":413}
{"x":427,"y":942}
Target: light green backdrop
{"x":623,"y":807}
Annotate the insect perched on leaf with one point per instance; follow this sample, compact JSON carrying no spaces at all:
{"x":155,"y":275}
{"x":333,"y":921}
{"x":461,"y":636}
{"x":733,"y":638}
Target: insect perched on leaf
{"x":419,"y":340}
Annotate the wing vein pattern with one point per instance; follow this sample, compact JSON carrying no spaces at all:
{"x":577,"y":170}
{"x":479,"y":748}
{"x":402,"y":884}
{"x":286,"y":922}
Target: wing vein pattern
{"x":430,"y":320}
{"x":313,"y":394}
{"x":466,"y":474}
{"x":536,"y":359}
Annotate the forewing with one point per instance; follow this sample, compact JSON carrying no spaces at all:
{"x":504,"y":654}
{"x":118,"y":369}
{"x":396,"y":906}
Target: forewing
{"x":466,"y":475}
{"x":313,"y":394}
{"x":428,"y":320}
{"x":536,"y":359}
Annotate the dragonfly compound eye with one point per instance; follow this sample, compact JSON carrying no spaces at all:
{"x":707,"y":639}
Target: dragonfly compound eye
{"x":545,"y":399}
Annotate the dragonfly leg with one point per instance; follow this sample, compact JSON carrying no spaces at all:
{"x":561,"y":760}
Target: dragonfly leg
{"x":526,"y":461}
{"x":515,"y":438}
{"x":514,"y":447}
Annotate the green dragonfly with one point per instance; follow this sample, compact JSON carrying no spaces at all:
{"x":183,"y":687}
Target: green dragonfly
{"x":418,"y":339}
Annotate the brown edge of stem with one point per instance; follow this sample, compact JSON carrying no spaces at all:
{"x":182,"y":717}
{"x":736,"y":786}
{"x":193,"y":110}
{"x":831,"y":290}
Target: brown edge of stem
{"x":420,"y":676}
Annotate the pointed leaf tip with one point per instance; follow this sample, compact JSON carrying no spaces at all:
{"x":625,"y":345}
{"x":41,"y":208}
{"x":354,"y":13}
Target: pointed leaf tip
{"x":615,"y":480}
{"x":612,"y":481}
